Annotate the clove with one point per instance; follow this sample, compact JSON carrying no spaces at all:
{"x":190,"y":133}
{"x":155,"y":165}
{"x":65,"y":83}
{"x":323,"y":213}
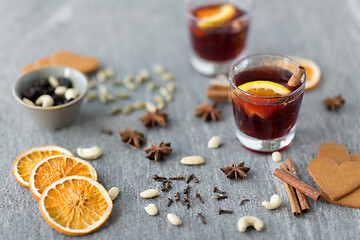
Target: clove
{"x":217,"y":190}
{"x":163,"y":185}
{"x":189,"y":178}
{"x":202,"y":218}
{"x":170,"y":201}
{"x":197,"y":195}
{"x":158,"y":179}
{"x":168,"y":185}
{"x":221,"y":211}
{"x":177,"y":196}
{"x":187,"y":204}
{"x":196,"y":180}
{"x":217,"y":197}
{"x":181,"y":177}
{"x":244,"y":200}
{"x":105,"y":131}
{"x":186,"y":190}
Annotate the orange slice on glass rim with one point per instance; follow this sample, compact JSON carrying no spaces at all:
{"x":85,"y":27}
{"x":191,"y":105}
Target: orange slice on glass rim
{"x":313,"y":72}
{"x":75,"y":205}
{"x":25,"y":162}
{"x":264,"y":88}
{"x":212,"y":16}
{"x":255,"y":106}
{"x":54,"y":168}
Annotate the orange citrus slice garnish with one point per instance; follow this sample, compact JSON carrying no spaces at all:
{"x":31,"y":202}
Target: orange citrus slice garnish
{"x":264,"y":88}
{"x":25,"y":162}
{"x":212,"y":16}
{"x":54,"y":168}
{"x":313,"y":72}
{"x":75,"y":205}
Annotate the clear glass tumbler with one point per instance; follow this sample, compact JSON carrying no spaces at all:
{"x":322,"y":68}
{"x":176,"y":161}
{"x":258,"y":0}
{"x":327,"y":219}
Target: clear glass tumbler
{"x":218,"y":31}
{"x":266,"y":123}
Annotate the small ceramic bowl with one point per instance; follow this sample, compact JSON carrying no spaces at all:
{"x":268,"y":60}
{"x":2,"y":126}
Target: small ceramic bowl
{"x":55,"y":117}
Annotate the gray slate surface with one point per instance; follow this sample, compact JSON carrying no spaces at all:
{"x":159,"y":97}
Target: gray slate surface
{"x":130,"y":35}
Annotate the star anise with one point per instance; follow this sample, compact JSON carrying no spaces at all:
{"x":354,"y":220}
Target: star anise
{"x":133,"y":138}
{"x":157,"y":153}
{"x":153,"y":119}
{"x":234,"y":171}
{"x":334,"y":103}
{"x":208,"y":112}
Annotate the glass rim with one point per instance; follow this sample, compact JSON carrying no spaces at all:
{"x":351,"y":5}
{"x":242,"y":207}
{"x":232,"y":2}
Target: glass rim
{"x":236,"y":62}
{"x":247,"y":14}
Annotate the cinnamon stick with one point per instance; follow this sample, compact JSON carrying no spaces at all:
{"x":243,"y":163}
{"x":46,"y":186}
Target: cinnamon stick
{"x":218,"y":94}
{"x":296,"y":77}
{"x":304,"y":205}
{"x":290,"y":191}
{"x":295,"y":182}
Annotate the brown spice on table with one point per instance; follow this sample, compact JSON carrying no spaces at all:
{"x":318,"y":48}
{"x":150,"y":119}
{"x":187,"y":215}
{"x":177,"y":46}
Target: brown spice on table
{"x":295,"y":182}
{"x":333,"y":103}
{"x":217,"y":190}
{"x":105,"y":131}
{"x":168,"y":185}
{"x":158,"y":179}
{"x":304,"y":205}
{"x":170,"y":201}
{"x":202,"y":218}
{"x":133,"y":138}
{"x":234,"y":171}
{"x":157,"y":153}
{"x":181,"y":177}
{"x":189,"y":178}
{"x":290,"y":191}
{"x":187,"y":204}
{"x":186,"y":199}
{"x":217,"y":197}
{"x":177,"y":196}
{"x":244,"y":200}
{"x":221,"y":211}
{"x":197,"y":195}
{"x":186,"y":190}
{"x":196,"y":180}
{"x":152,"y":119}
{"x":208,"y":112}
{"x":163,"y":185}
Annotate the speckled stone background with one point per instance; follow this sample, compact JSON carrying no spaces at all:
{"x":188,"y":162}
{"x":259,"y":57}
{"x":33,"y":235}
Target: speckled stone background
{"x":131,"y":35}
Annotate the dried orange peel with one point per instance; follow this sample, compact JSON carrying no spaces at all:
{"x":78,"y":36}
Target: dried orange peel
{"x":212,"y":16}
{"x":313,"y":71}
{"x":25,"y":162}
{"x":54,"y":168}
{"x":75,"y":205}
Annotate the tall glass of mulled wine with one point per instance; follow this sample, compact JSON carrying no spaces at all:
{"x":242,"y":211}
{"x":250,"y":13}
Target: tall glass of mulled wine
{"x":265,"y":107}
{"x":218,"y":31}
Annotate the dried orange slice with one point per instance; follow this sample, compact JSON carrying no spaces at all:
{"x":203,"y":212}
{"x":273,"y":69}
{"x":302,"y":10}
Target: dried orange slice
{"x":54,"y":168}
{"x":313,"y":72}
{"x":211,"y":16}
{"x":75,"y":205}
{"x":25,"y":162}
{"x":264,"y":88}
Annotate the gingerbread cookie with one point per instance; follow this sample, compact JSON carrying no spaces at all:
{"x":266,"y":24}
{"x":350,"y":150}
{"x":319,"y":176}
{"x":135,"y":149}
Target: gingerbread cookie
{"x":84,"y":64}
{"x":336,"y":172}
{"x":335,"y":151}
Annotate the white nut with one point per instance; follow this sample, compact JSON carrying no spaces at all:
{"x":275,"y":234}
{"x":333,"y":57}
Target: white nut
{"x":113,"y":193}
{"x":157,"y":68}
{"x":174,"y":219}
{"x":150,"y":193}
{"x":275,"y":202}
{"x":45,"y":101}
{"x":150,"y":107}
{"x":103,"y":92}
{"x":60,"y":90}
{"x":214,"y":142}
{"x":144,"y":74}
{"x":109,"y":72}
{"x":247,"y":221}
{"x":28,"y":101}
{"x":53,"y":82}
{"x":192,"y":160}
{"x":276,"y":156}
{"x":101,"y":76}
{"x":71,"y":93}
{"x":151,"y":209}
{"x":89,"y":153}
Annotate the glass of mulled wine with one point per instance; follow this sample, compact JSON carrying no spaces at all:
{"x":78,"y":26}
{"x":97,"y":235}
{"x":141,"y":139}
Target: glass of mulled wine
{"x":218,"y":32}
{"x":265,"y":107}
